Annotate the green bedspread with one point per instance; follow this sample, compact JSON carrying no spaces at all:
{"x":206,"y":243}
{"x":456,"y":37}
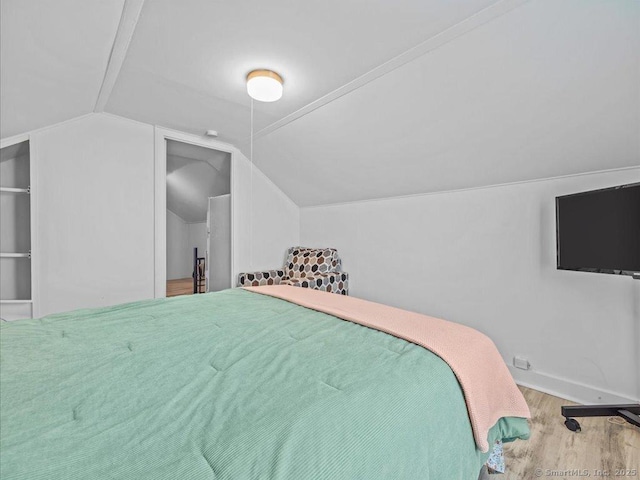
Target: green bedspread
{"x":229,"y":385}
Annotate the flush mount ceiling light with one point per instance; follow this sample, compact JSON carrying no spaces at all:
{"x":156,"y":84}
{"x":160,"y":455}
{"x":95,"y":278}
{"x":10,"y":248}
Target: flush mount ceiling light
{"x":264,"y":85}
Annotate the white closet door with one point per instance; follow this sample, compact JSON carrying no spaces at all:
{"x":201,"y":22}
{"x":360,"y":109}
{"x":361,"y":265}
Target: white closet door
{"x":219,"y":243}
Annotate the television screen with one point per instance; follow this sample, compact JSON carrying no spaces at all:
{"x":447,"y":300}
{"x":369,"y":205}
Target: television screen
{"x":599,"y":231}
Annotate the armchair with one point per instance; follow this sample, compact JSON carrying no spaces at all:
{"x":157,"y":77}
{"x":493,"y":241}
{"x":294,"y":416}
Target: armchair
{"x":317,"y":268}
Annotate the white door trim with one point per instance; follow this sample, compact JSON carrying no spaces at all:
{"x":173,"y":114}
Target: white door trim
{"x":161,"y":135}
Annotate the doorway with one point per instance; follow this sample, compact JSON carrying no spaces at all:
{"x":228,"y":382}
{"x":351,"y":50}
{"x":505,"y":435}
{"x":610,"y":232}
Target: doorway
{"x":198,"y":218}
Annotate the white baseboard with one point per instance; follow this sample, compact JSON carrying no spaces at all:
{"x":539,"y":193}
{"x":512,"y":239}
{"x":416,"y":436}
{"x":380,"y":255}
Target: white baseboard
{"x":563,"y":388}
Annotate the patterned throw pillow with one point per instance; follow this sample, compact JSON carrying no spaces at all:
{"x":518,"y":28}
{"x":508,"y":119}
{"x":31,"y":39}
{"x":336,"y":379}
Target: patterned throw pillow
{"x":304,"y":262}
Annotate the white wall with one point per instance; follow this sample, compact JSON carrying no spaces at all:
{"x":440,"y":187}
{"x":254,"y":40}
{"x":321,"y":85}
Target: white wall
{"x":179,"y":257}
{"x":262,"y":233}
{"x":182,"y":237}
{"x":95,"y":213}
{"x":197,"y":235}
{"x":486,"y":258}
{"x":219,"y":258}
{"x":95,"y":205}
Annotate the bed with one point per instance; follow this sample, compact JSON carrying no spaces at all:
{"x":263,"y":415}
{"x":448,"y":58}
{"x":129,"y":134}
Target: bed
{"x":229,"y":385}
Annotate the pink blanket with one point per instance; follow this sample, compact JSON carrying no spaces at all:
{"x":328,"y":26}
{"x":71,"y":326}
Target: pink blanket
{"x":489,"y":390}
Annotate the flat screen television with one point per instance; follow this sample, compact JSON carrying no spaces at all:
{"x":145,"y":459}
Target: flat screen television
{"x":599,"y":231}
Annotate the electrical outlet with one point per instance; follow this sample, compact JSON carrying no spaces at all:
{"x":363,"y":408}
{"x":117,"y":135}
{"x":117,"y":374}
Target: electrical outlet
{"x":521,"y":363}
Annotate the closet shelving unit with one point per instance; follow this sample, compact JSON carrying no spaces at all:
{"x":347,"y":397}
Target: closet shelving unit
{"x":16,"y":229}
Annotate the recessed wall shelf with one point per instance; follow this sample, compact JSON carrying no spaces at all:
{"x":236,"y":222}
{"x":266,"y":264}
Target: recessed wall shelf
{"x":15,"y":190}
{"x":17,"y":228}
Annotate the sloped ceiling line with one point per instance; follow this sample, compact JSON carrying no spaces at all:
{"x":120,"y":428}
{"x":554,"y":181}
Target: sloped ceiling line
{"x":53,"y":57}
{"x":187,"y":159}
{"x":467,"y":25}
{"x":130,"y":15}
{"x":547,"y":90}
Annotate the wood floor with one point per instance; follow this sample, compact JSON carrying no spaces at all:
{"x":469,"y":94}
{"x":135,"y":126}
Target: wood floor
{"x":601,"y":445}
{"x":182,"y":286}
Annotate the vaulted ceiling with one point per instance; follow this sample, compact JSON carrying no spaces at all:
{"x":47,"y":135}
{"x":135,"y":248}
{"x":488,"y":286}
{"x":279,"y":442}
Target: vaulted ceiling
{"x":53,"y":57}
{"x":381,"y":98}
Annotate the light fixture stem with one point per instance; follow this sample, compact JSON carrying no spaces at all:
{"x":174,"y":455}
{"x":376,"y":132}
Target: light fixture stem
{"x":251,"y":192}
